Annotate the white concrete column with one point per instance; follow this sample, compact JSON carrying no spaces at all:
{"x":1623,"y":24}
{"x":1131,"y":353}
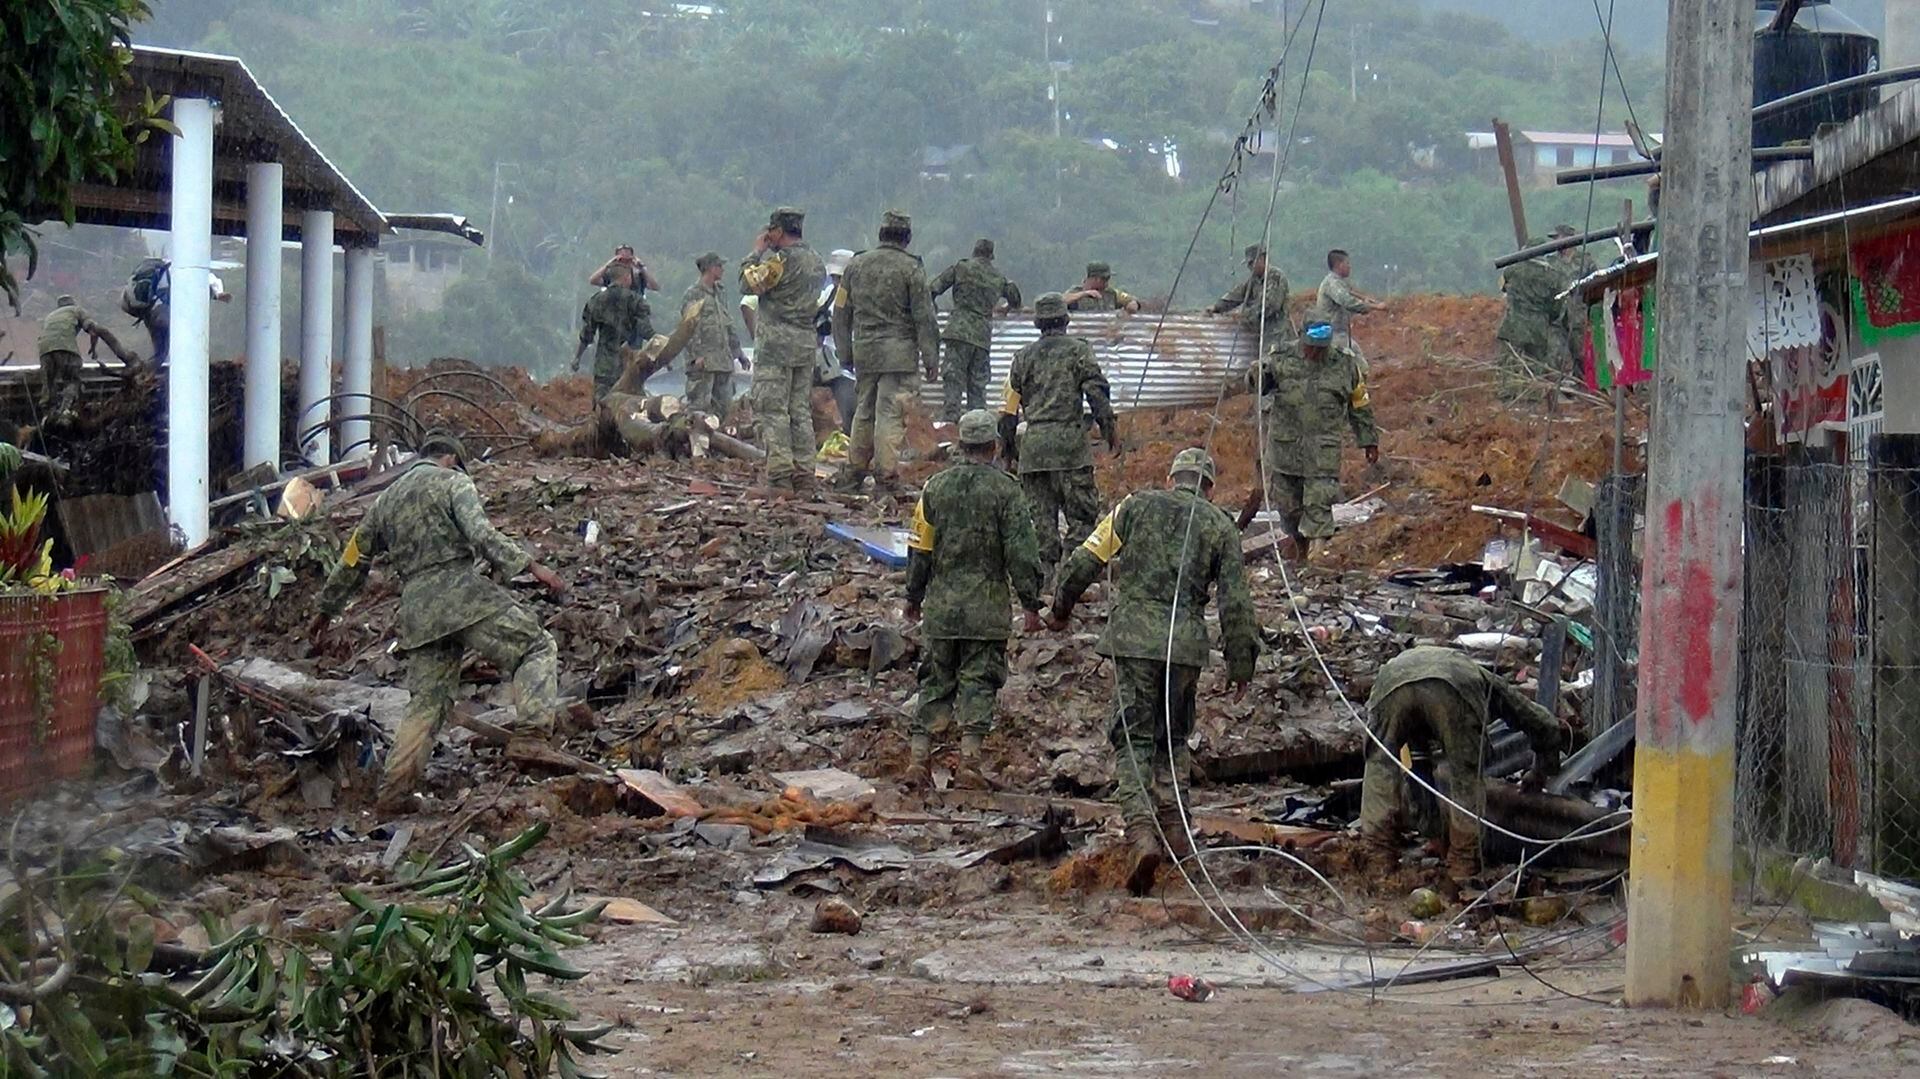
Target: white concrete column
{"x":357,"y":378}
{"x":190,"y":243}
{"x":265,"y":222}
{"x":316,"y":329}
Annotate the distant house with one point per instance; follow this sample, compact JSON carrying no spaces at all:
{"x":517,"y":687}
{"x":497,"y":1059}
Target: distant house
{"x":1537,"y":155}
{"x":420,"y":266}
{"x":960,"y":161}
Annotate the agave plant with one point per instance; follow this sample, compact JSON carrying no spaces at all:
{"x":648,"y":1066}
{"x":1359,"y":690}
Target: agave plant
{"x":24,"y":557}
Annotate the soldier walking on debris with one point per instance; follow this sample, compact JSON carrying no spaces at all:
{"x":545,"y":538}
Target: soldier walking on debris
{"x":1097,"y":293}
{"x":714,"y":348}
{"x":1046,"y":384}
{"x":965,"y":364}
{"x":1306,"y":395}
{"x":1262,"y":302}
{"x":60,"y":362}
{"x":971,"y":535}
{"x":883,"y":325}
{"x":1170,"y":550}
{"x":786,"y":274}
{"x":1430,"y":695}
{"x":430,"y":526}
{"x":1534,"y":325}
{"x":1336,"y":303}
{"x":612,"y":317}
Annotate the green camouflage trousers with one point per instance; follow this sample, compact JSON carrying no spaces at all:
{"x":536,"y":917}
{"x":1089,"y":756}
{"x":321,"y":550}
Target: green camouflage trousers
{"x":1069,"y":493}
{"x":1144,"y":767}
{"x":1423,"y":714}
{"x":1304,"y":502}
{"x":607,"y":369}
{"x":964,"y":370}
{"x":711,"y":392}
{"x":783,"y":409}
{"x":958,"y":681}
{"x":514,"y":641}
{"x":60,"y":380}
{"x":880,"y":419}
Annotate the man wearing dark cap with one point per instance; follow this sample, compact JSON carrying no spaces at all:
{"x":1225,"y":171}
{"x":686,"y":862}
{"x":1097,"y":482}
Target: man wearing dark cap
{"x":978,"y":287}
{"x":1047,"y":384}
{"x":883,"y":326}
{"x":612,"y":319}
{"x":1262,"y":302}
{"x":1097,"y":293}
{"x":714,"y":347}
{"x":970,"y":538}
{"x":431,"y":528}
{"x":787,"y":276}
{"x":60,"y":362}
{"x":1306,"y":395}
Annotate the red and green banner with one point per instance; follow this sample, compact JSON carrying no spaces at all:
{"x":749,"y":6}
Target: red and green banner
{"x":1622,"y":334}
{"x":1885,"y":286}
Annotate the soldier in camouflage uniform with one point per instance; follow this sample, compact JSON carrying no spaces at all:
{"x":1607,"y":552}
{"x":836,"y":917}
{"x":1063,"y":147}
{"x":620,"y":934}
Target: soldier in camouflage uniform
{"x":715,"y":347}
{"x":1046,"y":384}
{"x":1575,"y":264}
{"x":1428,"y":696}
{"x":786,"y":274}
{"x":1097,"y":293}
{"x":883,"y":326}
{"x":1306,"y":395}
{"x":977,"y":286}
{"x":430,"y":526}
{"x":612,"y":317}
{"x":971,"y":535}
{"x":1336,"y":303}
{"x":1169,"y":550}
{"x":1261,"y":300}
{"x":60,"y":363}
{"x":1534,"y":325}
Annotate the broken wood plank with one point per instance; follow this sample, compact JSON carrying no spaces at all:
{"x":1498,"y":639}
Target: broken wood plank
{"x":1027,"y":806}
{"x":1285,"y":836}
{"x":536,"y":755}
{"x":661,"y":791}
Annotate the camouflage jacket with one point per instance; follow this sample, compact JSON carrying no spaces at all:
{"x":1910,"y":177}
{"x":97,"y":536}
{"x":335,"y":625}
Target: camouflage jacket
{"x":972,"y":533}
{"x":1246,"y":298}
{"x":977,"y":285}
{"x":1048,"y":380}
{"x":1487,"y":695}
{"x":431,"y":528}
{"x":1307,"y":403}
{"x":1534,"y":309}
{"x":788,"y":281}
{"x":1111,"y":299}
{"x":714,"y":341}
{"x":614,"y":316}
{"x":883,"y":313}
{"x":1169,"y":550}
{"x":60,"y":330}
{"x":1336,"y":303}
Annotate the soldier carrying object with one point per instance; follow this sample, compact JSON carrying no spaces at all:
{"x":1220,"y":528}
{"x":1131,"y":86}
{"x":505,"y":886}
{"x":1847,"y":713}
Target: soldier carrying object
{"x":714,"y":350}
{"x":1306,"y":395}
{"x":1430,"y":696}
{"x":971,"y":536}
{"x":786,"y":275}
{"x":1261,"y":299}
{"x":430,"y":526}
{"x":1046,"y":384}
{"x":1170,"y":551}
{"x":1097,"y":293}
{"x":60,"y":363}
{"x":978,"y":287}
{"x":883,"y":325}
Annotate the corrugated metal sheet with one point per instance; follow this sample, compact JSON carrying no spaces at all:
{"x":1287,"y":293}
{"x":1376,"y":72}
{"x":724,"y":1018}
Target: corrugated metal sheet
{"x":1186,"y":366}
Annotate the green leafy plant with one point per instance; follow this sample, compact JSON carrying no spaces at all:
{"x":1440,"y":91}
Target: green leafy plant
{"x":23,"y":556}
{"x":434,"y":984}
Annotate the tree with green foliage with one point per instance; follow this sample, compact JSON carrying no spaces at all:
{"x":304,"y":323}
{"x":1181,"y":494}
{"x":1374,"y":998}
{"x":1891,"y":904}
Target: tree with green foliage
{"x":63,"y":76}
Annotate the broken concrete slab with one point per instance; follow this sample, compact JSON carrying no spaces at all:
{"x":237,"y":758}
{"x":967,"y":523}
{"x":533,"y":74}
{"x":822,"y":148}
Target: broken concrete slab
{"x":827,"y":784}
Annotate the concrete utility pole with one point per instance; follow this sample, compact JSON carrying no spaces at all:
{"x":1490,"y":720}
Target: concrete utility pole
{"x":1680,"y":901}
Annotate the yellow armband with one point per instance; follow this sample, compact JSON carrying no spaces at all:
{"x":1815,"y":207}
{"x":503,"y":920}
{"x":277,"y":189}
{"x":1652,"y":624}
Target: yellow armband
{"x":920,"y":531}
{"x":1102,"y":543}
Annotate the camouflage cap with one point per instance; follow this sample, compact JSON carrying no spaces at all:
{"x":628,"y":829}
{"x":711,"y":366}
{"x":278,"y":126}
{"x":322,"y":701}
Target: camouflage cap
{"x":443,"y":444}
{"x":1193,"y":460}
{"x":63,"y":300}
{"x":1050,"y":305}
{"x":1099,"y":269}
{"x":1563,"y":231}
{"x":979,"y":427}
{"x":895,"y":219}
{"x":786,"y":217}
{"x":708,"y":261}
{"x":1256,"y":251}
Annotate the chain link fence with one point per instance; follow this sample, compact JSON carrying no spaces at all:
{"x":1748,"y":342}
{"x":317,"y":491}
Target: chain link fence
{"x":1829,"y":734}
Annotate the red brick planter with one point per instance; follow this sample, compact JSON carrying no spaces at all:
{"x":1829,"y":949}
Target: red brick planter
{"x":35,"y":750}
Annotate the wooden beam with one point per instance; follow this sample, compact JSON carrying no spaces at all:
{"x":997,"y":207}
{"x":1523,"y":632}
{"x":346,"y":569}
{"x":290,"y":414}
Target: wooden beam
{"x":1503,"y":142}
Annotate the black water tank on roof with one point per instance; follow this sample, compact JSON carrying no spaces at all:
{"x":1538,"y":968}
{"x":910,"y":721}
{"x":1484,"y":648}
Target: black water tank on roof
{"x":1819,"y":46}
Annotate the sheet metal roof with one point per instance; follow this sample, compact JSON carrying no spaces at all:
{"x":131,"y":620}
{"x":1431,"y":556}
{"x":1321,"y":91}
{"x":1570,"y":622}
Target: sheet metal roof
{"x":251,"y":128}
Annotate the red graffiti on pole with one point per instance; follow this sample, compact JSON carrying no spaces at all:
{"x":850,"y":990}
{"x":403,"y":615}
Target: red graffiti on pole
{"x":1679,"y":650}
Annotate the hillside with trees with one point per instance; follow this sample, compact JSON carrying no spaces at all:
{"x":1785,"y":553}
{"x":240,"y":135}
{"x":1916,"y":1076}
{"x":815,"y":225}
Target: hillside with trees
{"x":571,"y":126}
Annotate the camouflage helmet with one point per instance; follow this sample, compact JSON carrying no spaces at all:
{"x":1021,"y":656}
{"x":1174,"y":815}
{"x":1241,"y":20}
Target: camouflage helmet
{"x":1049,"y":305}
{"x":979,"y":427}
{"x":786,"y":218}
{"x":895,"y":219}
{"x":1099,"y":269}
{"x":1194,"y":461}
{"x":443,"y":444}
{"x":64,"y":300}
